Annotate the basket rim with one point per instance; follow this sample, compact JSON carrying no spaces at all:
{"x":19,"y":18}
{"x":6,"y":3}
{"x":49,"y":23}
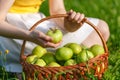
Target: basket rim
{"x":85,"y":20}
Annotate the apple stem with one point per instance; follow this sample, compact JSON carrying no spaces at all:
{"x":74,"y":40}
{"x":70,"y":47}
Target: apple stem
{"x":52,"y":29}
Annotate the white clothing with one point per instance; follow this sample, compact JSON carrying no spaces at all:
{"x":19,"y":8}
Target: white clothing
{"x":25,"y":21}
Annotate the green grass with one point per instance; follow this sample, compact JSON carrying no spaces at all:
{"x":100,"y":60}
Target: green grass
{"x":107,"y":10}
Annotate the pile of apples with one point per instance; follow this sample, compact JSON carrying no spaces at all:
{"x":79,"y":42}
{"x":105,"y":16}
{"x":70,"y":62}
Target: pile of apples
{"x":69,"y":54}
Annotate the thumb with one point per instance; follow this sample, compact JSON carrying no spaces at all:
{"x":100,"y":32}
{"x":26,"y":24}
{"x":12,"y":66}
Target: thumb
{"x":48,"y":38}
{"x":70,"y":12}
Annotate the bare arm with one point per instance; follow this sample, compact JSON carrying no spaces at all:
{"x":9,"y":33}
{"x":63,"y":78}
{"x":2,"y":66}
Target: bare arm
{"x":7,"y":29}
{"x":57,"y":7}
{"x":10,"y":31}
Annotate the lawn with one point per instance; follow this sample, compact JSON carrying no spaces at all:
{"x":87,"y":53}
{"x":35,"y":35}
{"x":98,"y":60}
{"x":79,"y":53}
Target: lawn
{"x":107,"y":10}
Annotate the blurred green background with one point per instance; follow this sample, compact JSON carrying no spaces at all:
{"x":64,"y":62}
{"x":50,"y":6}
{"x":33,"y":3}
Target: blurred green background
{"x":107,"y":10}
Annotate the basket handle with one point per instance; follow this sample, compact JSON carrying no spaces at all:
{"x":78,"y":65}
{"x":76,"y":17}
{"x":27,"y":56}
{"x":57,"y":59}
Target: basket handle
{"x":22,"y":56}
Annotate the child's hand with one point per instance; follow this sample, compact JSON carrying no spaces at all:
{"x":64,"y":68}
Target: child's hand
{"x":73,"y":21}
{"x":42,"y":39}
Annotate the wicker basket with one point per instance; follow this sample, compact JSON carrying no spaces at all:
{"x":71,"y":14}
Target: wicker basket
{"x":97,"y":65}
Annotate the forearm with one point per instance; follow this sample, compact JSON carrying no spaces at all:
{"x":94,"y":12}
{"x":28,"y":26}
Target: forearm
{"x":56,"y":7}
{"x":4,"y":7}
{"x":10,"y":31}
{"x":6,"y":29}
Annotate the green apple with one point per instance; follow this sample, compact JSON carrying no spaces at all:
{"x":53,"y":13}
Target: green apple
{"x":97,"y":49}
{"x":70,"y":62}
{"x":63,"y":53}
{"x":84,"y":56}
{"x":89,"y":54}
{"x":76,"y":48}
{"x":66,"y":45}
{"x":40,"y":62}
{"x":31,"y":59}
{"x":54,"y":64}
{"x":49,"y":57}
{"x":39,"y":51}
{"x":56,"y":34}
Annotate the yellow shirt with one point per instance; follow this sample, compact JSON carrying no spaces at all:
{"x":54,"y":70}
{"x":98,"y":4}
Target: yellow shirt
{"x":26,"y":6}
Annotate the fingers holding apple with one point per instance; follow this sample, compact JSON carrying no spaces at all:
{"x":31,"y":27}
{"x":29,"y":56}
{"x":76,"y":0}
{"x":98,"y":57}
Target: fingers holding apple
{"x":51,"y":44}
{"x":55,"y":34}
